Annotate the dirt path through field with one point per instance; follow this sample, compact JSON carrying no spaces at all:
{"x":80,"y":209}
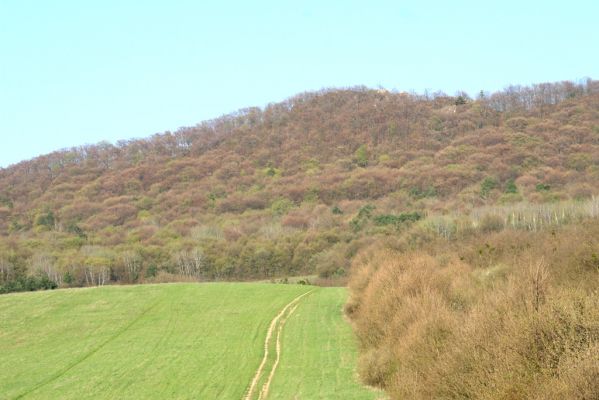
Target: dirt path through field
{"x":273,"y":324}
{"x":266,"y":387}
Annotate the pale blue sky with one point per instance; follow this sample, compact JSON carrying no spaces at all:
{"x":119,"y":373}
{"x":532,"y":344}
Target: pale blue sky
{"x":77,"y":72}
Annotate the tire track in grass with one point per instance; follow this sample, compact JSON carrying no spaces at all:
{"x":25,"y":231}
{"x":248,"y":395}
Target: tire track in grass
{"x":266,"y":386}
{"x":79,"y":360}
{"x":273,"y":324}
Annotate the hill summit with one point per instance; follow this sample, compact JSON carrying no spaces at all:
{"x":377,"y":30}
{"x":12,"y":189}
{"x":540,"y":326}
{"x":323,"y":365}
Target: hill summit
{"x":287,"y":189}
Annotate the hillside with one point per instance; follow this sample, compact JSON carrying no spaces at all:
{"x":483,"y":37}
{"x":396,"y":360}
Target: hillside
{"x":295,"y":188}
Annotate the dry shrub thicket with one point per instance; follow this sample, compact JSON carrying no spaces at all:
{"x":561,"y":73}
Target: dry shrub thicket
{"x":512,"y":314}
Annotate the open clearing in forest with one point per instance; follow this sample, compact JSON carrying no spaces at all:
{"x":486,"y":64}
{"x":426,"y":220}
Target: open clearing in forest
{"x":178,"y":341}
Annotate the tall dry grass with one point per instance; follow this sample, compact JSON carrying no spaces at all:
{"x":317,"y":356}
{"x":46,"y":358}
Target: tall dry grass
{"x":508,"y":315}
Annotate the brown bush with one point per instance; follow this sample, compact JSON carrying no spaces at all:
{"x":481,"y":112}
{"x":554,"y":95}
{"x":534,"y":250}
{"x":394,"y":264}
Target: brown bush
{"x":491,"y":223}
{"x":294,"y":220}
{"x":506,"y":315}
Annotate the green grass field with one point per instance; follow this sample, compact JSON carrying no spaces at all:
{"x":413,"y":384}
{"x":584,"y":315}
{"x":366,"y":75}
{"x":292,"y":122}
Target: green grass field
{"x":174,"y":341}
{"x":318,"y":352}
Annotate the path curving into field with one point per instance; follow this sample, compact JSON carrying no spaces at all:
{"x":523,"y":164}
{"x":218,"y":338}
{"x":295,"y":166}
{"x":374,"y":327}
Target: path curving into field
{"x":282,"y":316}
{"x":266,"y":386}
{"x":179,"y":341}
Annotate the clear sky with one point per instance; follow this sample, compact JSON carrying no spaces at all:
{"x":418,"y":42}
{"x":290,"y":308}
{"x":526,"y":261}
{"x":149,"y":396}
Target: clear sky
{"x":77,"y":72}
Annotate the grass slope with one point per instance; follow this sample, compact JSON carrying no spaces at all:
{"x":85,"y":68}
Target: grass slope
{"x":318,"y":356}
{"x":163,"y":341}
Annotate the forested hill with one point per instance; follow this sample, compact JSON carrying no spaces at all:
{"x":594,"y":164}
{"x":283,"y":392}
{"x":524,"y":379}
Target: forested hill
{"x":284,"y":189}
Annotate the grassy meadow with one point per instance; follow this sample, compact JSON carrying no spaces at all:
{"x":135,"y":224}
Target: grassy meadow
{"x":173,"y":341}
{"x":327,"y":371}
